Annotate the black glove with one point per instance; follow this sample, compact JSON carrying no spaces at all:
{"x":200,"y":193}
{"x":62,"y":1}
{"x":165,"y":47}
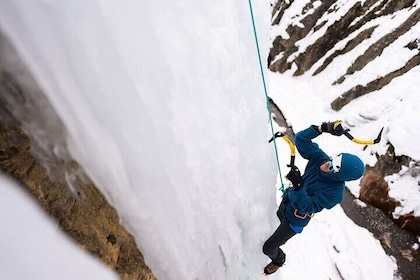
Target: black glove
{"x":295,"y":177}
{"x":335,"y":128}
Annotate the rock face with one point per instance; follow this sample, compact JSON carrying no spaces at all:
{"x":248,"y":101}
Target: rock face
{"x":374,"y":189}
{"x":353,"y":20}
{"x":395,"y":241}
{"x":349,"y":24}
{"x":88,"y":218}
{"x":285,"y":53}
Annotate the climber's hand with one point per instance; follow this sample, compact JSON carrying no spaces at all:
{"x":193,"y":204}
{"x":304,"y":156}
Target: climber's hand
{"x":335,"y":128}
{"x":295,"y":177}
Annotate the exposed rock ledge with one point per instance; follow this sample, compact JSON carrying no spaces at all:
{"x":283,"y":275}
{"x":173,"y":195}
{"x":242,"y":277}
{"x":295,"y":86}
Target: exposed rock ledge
{"x":89,"y":220}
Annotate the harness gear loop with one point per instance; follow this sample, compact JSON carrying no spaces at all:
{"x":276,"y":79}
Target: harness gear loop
{"x":296,"y":213}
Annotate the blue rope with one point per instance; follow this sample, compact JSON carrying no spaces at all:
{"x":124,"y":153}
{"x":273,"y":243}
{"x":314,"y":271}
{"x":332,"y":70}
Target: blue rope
{"x":266,"y":95}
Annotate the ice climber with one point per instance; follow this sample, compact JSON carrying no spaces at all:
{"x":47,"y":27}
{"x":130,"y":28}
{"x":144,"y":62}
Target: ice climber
{"x":321,"y":186}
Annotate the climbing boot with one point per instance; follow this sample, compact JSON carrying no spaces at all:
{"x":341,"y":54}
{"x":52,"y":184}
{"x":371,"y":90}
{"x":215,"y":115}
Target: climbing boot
{"x":275,"y":264}
{"x":271,"y":268}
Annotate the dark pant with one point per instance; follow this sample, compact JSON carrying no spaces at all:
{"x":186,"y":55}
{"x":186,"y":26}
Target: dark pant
{"x":283,"y":233}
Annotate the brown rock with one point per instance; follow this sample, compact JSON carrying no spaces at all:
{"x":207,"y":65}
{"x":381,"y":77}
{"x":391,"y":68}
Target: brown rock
{"x":87,"y":218}
{"x":409,"y":222}
{"x":374,"y":191}
{"x":385,"y":239}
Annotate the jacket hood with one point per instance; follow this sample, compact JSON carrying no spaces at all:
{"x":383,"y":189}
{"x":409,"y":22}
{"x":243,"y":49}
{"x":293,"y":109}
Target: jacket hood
{"x":352,"y":168}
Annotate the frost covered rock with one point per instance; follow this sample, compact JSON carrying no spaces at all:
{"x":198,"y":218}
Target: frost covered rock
{"x":375,"y":189}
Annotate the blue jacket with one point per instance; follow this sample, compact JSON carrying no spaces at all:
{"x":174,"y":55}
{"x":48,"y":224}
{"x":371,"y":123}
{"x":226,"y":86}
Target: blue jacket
{"x":319,"y":189}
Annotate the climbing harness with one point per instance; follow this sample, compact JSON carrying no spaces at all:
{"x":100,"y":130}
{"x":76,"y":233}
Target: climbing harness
{"x":303,"y":216}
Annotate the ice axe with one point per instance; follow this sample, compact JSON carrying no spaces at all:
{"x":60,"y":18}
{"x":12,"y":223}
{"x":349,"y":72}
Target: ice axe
{"x":291,"y":146}
{"x":364,"y":142}
{"x":338,"y":126}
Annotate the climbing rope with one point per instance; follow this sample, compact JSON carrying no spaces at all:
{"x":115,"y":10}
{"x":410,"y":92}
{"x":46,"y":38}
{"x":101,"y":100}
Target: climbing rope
{"x":266,"y":94}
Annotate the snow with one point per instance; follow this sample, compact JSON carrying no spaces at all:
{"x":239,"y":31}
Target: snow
{"x":409,"y":198}
{"x":166,"y":113}
{"x":32,"y":245}
{"x":342,"y":241}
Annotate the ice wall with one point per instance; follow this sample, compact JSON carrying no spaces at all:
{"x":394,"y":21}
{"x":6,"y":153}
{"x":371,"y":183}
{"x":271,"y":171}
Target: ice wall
{"x":165,"y":111}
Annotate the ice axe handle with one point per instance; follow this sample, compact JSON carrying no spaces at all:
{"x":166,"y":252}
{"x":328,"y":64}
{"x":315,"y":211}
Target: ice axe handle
{"x":291,"y":146}
{"x":292,"y":162}
{"x":364,"y":142}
